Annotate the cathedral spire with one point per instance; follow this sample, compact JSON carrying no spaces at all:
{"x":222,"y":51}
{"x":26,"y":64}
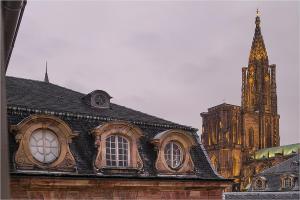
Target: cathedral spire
{"x":46,"y":79}
{"x":258,"y":52}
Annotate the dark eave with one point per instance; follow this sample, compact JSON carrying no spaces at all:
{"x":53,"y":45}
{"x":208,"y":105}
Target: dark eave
{"x":11,"y":16}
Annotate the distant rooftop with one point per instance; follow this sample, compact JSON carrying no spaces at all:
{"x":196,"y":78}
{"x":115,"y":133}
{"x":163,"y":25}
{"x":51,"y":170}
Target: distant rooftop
{"x":271,"y":152}
{"x":261,"y":195}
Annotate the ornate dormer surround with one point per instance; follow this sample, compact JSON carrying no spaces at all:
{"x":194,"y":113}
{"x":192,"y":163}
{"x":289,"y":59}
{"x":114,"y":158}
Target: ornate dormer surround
{"x":185,"y":141}
{"x":122,"y":129}
{"x":287,"y":181}
{"x":25,"y":160}
{"x":260,"y":183}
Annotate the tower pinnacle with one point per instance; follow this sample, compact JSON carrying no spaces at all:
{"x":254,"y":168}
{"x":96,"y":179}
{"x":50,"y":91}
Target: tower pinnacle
{"x":258,"y":52}
{"x":46,"y":79}
{"x":257,"y":12}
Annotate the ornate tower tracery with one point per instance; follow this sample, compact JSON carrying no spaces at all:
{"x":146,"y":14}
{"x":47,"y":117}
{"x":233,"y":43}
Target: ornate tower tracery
{"x":259,"y":97}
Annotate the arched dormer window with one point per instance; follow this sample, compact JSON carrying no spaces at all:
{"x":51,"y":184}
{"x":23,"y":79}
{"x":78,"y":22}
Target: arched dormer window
{"x":287,"y":182}
{"x":117,"y":151}
{"x":117,"y":144}
{"x":173,"y":148}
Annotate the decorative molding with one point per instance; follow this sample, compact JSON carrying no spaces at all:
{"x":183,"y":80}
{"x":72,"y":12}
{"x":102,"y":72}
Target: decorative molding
{"x":19,"y":110}
{"x":185,"y":140}
{"x":23,"y":157}
{"x":125,"y":129}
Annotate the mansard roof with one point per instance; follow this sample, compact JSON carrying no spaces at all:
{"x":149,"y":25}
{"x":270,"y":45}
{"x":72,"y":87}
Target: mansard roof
{"x":27,"y":97}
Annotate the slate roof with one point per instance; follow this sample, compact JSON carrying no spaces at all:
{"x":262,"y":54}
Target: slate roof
{"x":27,"y":97}
{"x":273,"y":174}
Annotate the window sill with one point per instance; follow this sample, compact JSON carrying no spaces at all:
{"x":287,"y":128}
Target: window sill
{"x":119,"y":170}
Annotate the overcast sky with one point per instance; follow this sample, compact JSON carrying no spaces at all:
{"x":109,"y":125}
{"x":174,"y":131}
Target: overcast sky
{"x":169,"y":59}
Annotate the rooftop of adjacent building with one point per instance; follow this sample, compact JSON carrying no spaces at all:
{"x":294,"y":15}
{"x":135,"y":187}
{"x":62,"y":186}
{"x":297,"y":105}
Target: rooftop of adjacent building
{"x":262,"y":195}
{"x":274,"y":176}
{"x":284,"y":150}
{"x":290,"y":165}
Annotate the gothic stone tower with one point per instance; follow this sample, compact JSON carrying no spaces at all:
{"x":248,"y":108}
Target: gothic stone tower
{"x":260,"y":121}
{"x":230,"y":133}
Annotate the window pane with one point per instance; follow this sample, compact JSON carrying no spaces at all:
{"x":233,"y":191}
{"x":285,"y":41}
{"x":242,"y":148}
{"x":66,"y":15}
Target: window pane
{"x":117,"y":150}
{"x":173,"y":154}
{"x":44,"y":145}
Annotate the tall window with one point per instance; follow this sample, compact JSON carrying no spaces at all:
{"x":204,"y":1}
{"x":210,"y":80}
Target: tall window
{"x":251,"y":137}
{"x":287,"y":183}
{"x":173,"y":155}
{"x":269,"y":135}
{"x":117,"y":151}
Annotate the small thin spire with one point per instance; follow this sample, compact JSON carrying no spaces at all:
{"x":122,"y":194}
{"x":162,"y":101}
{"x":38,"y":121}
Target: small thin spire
{"x":257,"y":12}
{"x":46,"y":79}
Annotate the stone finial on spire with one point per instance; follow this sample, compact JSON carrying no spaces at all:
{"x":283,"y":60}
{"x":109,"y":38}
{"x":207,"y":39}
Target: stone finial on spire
{"x":258,"y":52}
{"x":46,"y":79}
{"x":257,"y":12}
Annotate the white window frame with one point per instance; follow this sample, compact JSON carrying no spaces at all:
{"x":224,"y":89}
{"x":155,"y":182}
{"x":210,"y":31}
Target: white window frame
{"x":284,"y":180}
{"x":117,"y":160}
{"x":43,"y":132}
{"x":172,"y":143}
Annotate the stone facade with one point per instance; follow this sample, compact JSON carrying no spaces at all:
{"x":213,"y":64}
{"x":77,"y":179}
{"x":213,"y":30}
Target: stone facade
{"x":232,"y":134}
{"x":116,"y":188}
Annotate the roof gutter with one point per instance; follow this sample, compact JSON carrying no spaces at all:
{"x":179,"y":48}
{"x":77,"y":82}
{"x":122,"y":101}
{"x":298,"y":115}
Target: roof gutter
{"x":12,"y":13}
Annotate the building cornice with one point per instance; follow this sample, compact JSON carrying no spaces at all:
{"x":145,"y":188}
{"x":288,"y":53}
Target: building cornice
{"x":15,"y":109}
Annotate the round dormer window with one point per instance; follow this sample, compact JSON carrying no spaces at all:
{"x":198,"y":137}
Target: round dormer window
{"x":44,"y":145}
{"x":100,"y":100}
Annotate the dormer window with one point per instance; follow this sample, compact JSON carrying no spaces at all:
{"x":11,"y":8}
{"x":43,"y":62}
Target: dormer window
{"x":44,"y":145}
{"x":173,"y":155}
{"x":260,"y":183}
{"x":117,"y":153}
{"x":98,"y":99}
{"x":287,"y":181}
{"x":117,"y":144}
{"x":173,"y":152}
